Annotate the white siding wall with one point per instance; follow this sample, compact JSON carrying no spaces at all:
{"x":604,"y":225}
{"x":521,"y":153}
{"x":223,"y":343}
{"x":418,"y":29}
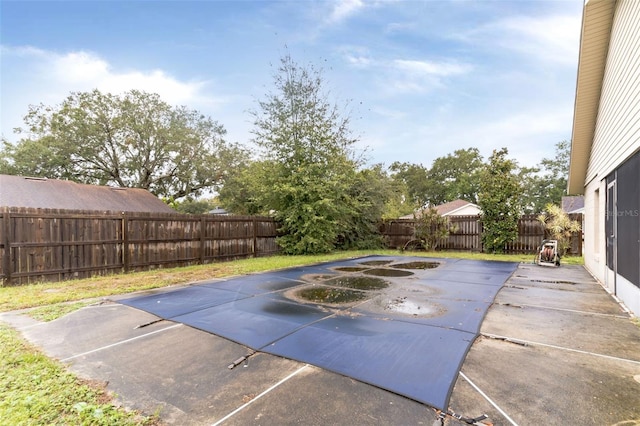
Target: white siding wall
{"x":616,"y":138}
{"x":617,"y":133}
{"x":595,"y":241}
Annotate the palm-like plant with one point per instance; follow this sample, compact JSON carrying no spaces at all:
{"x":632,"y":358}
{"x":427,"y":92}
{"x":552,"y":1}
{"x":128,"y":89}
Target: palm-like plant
{"x":559,"y":226}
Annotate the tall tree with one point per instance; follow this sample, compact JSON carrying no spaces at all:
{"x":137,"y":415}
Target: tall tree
{"x":547,"y":183}
{"x":499,"y":199}
{"x":309,"y":151}
{"x":133,"y":140}
{"x":369,"y":195}
{"x":245,"y":191}
{"x":454,"y":176}
{"x":414,"y":178}
{"x":398,"y":202}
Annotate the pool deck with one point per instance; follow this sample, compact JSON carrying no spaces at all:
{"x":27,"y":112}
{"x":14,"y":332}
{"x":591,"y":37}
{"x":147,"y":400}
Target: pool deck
{"x":554,"y":348}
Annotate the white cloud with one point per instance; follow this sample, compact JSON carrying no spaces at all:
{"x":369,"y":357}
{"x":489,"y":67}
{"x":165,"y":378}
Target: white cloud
{"x":529,"y":133}
{"x":80,"y":67}
{"x":356,"y":56}
{"x":358,"y":61}
{"x":343,"y":9}
{"x":554,"y":38}
{"x":551,"y":38}
{"x":400,"y":27}
{"x":48,"y":77}
{"x":412,"y":76}
{"x":87,"y":70}
{"x":430,"y":68}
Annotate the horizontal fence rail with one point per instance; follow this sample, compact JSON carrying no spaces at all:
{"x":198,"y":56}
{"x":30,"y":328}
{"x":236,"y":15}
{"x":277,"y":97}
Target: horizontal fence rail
{"x":53,"y":245}
{"x":466,"y":234}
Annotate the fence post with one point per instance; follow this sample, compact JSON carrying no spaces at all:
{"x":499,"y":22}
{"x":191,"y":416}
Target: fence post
{"x":6,"y":242}
{"x":203,"y":227}
{"x":125,"y":242}
{"x":255,"y":237}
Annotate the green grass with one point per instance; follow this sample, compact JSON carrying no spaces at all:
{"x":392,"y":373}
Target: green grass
{"x":35,"y":390}
{"x":55,"y":311}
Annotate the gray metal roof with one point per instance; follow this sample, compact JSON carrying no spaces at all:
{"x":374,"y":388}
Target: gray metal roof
{"x":19,"y":191}
{"x":573,"y":204}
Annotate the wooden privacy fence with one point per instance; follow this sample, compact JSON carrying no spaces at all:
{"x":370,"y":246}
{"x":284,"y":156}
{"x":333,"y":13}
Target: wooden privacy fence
{"x":52,"y":245}
{"x":466,"y":234}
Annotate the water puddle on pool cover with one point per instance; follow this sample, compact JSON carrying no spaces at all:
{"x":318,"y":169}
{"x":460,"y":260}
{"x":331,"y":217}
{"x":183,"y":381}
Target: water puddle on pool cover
{"x":381,"y":272}
{"x":360,"y":283}
{"x":330,"y":295}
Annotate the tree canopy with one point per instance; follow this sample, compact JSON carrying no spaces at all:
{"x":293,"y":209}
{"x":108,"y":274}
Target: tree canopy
{"x":132,"y":140}
{"x":307,"y":171}
{"x":308,"y":175}
{"x":546,"y":183}
{"x":413,"y":178}
{"x":455,"y":176}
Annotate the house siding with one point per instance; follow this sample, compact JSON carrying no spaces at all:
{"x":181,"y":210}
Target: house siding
{"x":595,"y":258}
{"x":617,"y":131}
{"x":616,"y":142}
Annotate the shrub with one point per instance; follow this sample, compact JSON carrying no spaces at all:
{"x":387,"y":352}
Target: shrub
{"x":431,"y":228}
{"x":559,"y":226}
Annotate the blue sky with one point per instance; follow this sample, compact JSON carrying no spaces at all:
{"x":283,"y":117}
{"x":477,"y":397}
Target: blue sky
{"x":422,"y":78}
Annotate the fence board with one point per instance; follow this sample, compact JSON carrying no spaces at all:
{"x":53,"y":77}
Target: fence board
{"x":52,"y":245}
{"x":466,"y":234}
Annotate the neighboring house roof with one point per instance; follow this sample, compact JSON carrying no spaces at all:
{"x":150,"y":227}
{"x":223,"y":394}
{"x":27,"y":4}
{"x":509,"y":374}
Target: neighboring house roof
{"x":19,"y":191}
{"x":573,"y":204}
{"x":594,"y":45}
{"x":451,"y":208}
{"x":219,"y":211}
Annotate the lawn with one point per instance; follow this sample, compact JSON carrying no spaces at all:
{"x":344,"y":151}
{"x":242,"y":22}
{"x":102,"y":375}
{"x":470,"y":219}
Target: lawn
{"x":37,"y":390}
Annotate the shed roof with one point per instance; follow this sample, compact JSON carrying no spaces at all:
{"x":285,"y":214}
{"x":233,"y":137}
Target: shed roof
{"x":19,"y":191}
{"x":597,"y":18}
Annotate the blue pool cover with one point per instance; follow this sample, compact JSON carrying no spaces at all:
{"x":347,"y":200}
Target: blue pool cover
{"x":411,"y":352}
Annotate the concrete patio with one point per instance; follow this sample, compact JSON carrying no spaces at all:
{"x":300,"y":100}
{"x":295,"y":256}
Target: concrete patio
{"x":554,"y":348}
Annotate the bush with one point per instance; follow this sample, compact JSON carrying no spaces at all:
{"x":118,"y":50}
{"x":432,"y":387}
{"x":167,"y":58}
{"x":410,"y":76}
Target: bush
{"x":431,"y":228}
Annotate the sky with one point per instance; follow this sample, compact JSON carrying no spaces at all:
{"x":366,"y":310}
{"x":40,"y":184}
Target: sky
{"x":418,"y":79}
